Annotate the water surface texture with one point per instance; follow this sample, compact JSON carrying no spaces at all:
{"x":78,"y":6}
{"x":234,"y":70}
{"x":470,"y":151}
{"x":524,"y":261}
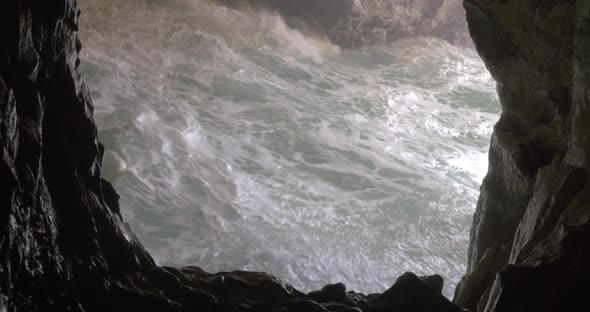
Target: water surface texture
{"x":237,"y":142}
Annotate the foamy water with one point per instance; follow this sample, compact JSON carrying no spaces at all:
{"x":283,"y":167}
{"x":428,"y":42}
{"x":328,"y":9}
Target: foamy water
{"x":237,"y":142}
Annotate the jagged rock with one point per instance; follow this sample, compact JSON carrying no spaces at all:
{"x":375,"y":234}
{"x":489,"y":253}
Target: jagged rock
{"x":473,"y":290}
{"x":303,"y":305}
{"x":338,"y":307}
{"x":330,"y":293}
{"x":556,"y":185}
{"x":57,"y":229}
{"x":556,"y":284}
{"x":410,"y":293}
{"x":259,"y":290}
{"x":523,"y":252}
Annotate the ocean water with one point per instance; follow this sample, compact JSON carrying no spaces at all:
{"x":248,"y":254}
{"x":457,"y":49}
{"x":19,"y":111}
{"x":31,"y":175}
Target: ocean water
{"x":237,"y":142}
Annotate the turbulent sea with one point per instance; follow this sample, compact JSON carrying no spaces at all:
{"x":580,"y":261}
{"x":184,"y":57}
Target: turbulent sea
{"x":237,"y":142}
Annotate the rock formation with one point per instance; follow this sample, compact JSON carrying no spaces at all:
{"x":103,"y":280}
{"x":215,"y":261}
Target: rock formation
{"x":65,"y":247}
{"x":529,"y":249}
{"x":355,"y":23}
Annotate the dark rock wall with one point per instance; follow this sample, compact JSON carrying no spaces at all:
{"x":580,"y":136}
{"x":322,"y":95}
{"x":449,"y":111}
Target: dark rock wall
{"x":526,"y":251}
{"x":59,"y":221}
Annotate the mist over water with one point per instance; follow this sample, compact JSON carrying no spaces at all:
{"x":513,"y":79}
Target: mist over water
{"x":239,"y":143}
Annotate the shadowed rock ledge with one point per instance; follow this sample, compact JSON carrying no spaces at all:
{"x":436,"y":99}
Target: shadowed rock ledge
{"x":65,"y":247}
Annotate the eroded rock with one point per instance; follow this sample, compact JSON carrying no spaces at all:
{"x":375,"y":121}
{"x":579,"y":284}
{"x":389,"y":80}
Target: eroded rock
{"x":523,"y":253}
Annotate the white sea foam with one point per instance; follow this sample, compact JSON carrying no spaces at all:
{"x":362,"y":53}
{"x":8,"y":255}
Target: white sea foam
{"x":237,"y":142}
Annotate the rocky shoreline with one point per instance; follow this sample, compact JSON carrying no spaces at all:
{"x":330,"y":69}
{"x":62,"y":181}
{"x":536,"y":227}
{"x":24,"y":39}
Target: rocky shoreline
{"x":65,"y":247}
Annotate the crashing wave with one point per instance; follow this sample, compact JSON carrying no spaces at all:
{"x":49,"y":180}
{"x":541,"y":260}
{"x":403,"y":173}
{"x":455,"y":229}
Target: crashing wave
{"x":355,"y":23}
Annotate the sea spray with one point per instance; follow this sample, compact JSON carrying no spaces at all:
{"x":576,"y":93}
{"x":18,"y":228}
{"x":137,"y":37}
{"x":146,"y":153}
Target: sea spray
{"x":237,"y":142}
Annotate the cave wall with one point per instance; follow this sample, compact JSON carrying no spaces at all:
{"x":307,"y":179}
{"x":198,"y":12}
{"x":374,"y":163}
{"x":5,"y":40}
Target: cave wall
{"x":60,"y":225}
{"x":526,"y":251}
{"x":63,"y":243}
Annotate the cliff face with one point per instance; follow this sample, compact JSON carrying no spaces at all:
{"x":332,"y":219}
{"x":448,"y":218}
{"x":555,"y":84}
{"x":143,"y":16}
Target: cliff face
{"x":355,"y":23}
{"x":61,"y":233}
{"x":531,"y":224}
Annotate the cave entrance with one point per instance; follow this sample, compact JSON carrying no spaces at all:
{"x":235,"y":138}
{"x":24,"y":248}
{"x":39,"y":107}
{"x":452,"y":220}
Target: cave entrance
{"x":237,"y":142}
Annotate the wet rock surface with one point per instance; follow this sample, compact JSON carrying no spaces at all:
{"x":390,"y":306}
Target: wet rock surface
{"x":63,"y":243}
{"x":526,"y":251}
